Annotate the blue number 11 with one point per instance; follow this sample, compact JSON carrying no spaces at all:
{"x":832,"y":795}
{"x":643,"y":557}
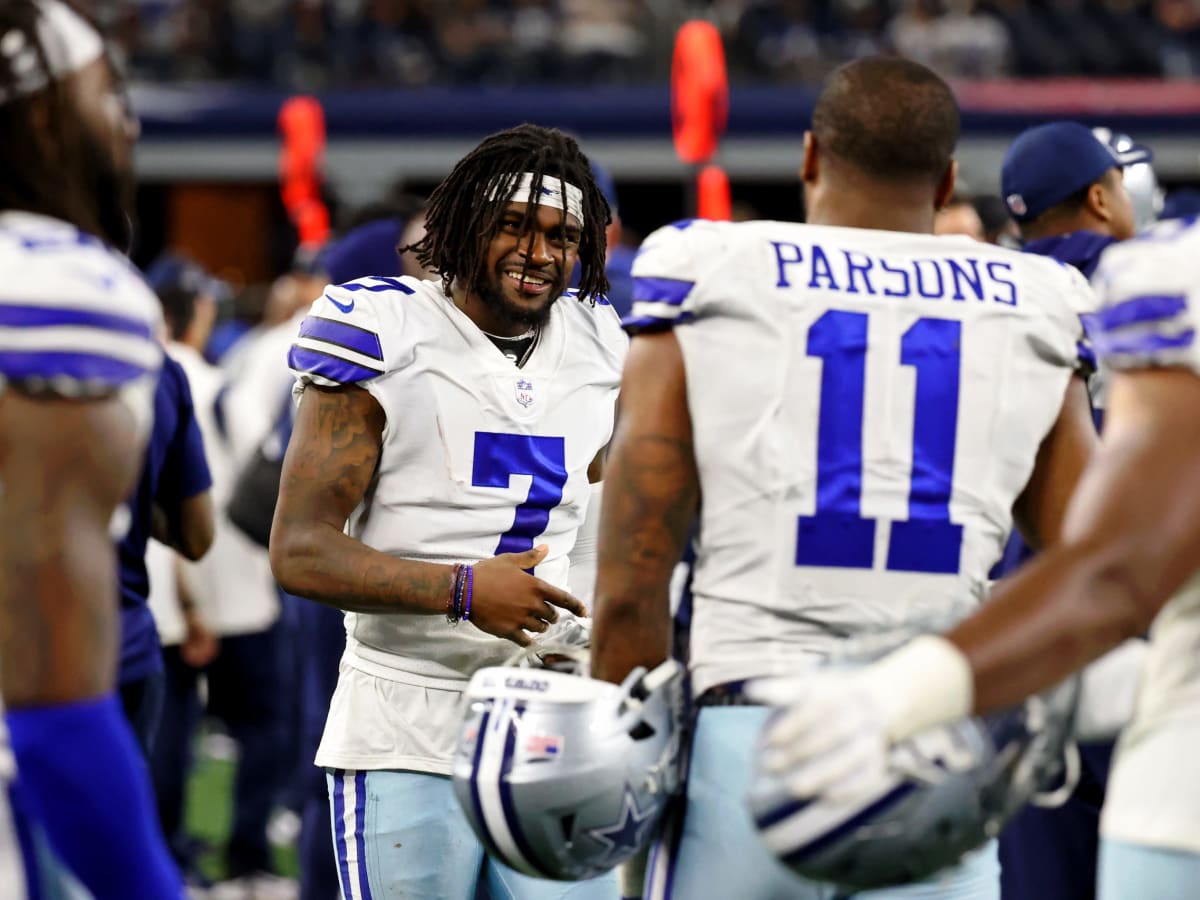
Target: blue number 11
{"x":838,"y":535}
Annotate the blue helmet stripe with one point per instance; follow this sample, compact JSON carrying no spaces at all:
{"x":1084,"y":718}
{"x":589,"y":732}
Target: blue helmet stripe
{"x":477,"y":804}
{"x":891,"y":798}
{"x":506,"y":798}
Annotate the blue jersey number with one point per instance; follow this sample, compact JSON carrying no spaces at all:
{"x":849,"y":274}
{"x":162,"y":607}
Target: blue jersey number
{"x":838,"y":535}
{"x":500,"y":456}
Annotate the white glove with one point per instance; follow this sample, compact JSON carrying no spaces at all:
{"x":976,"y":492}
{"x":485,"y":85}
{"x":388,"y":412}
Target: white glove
{"x":831,"y":738}
{"x":838,"y":725}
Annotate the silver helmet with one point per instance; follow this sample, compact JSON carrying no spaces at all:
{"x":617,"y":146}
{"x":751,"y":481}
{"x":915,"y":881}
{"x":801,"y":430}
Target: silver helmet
{"x":563,"y":776}
{"x":1140,"y":181}
{"x":948,"y":790}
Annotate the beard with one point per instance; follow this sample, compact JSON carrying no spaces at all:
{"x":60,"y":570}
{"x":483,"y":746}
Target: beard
{"x":492,"y":295}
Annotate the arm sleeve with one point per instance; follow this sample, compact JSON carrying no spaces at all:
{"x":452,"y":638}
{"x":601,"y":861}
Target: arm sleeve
{"x":186,"y":472}
{"x":81,"y":774}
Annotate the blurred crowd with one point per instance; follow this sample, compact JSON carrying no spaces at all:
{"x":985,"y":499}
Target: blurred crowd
{"x":314,"y":44}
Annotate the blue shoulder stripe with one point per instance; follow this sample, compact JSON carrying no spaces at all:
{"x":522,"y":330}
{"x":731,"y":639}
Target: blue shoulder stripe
{"x":672,"y":291}
{"x":314,"y":362}
{"x":24,"y":316}
{"x":342,"y":334}
{"x":1142,"y":344}
{"x":1146,"y":308}
{"x":388,"y":284}
{"x":18,"y":366}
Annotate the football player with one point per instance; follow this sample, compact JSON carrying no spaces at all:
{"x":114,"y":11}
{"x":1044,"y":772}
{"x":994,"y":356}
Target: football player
{"x":435,"y":483}
{"x":1127,"y":561}
{"x":855,"y":408}
{"x":1069,"y":193}
{"x":78,"y":363}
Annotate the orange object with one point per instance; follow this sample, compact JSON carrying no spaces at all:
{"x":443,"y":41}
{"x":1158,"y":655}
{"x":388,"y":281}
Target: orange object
{"x":699,"y":91}
{"x":301,"y":163}
{"x":713,"y":200}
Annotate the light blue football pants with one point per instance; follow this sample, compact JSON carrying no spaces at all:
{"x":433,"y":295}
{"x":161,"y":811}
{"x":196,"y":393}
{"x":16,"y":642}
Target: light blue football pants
{"x":711,"y":848}
{"x":1138,"y":872}
{"x":402,"y":835}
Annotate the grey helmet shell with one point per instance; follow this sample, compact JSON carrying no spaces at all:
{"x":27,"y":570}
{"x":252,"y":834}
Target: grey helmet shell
{"x":948,"y":791}
{"x":563,"y":776}
{"x":1140,"y":181}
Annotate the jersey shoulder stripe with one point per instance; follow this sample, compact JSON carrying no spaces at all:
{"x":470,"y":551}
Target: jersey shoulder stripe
{"x":346,"y":336}
{"x":76,"y":319}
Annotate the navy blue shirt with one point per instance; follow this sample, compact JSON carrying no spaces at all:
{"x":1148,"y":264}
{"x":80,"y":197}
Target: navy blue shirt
{"x":175,"y":469}
{"x":1082,"y":250}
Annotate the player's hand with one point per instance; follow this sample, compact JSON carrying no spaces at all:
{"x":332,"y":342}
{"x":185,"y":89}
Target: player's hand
{"x":509,"y":602}
{"x":199,"y":646}
{"x":829,"y":739}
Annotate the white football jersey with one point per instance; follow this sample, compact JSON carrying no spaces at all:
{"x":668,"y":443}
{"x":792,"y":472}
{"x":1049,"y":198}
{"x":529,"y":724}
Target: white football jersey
{"x":478,"y":458}
{"x":76,"y":318}
{"x":866,"y":407}
{"x":1149,"y":289}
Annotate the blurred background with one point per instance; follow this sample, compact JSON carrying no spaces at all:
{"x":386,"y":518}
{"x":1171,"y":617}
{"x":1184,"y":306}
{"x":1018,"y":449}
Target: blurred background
{"x":403,"y":88}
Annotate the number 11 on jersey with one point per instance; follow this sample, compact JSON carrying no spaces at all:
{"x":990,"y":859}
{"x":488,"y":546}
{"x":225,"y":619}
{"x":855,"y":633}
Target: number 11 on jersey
{"x":838,"y":535}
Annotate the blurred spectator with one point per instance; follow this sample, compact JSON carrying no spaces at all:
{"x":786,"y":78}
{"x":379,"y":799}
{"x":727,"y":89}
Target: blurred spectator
{"x":228,"y":596}
{"x":998,"y":225}
{"x":308,"y":44}
{"x":959,"y":217}
{"x":954,"y":38}
{"x":1179,"y":24}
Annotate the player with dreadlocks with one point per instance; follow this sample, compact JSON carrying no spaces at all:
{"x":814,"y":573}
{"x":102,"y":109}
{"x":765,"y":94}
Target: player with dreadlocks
{"x":78,"y":364}
{"x":457,"y":428}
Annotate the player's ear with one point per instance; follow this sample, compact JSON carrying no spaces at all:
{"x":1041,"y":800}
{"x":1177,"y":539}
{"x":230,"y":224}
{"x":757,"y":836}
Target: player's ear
{"x":945,"y":186}
{"x":808,"y":168}
{"x":1097,"y":201}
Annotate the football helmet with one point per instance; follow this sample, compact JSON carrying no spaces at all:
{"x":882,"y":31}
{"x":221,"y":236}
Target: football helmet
{"x":563,"y":776}
{"x":1140,"y":181}
{"x":947,"y":791}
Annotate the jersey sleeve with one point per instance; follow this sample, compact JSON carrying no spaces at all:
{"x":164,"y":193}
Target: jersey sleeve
{"x":76,"y":328}
{"x":185,"y":470}
{"x":1082,"y":303}
{"x":342,"y":340}
{"x":1149,"y":291}
{"x":665,"y":275}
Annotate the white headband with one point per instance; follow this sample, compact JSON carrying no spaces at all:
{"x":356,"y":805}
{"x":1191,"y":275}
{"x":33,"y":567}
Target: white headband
{"x":68,"y":41}
{"x":550,"y":194}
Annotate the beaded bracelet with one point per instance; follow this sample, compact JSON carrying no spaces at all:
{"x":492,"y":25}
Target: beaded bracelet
{"x":470,"y":589}
{"x":454,"y":604}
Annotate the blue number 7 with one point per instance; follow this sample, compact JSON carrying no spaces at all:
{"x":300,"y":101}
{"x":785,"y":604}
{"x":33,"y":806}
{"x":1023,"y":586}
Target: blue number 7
{"x":838,"y":535}
{"x":500,"y":456}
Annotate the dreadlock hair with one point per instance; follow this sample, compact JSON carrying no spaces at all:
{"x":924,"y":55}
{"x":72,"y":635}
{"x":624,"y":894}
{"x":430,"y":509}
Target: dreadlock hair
{"x":45,"y":165}
{"x":460,"y":222}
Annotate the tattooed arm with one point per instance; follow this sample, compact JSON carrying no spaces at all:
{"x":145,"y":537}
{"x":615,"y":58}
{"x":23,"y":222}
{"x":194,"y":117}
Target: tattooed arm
{"x":330,"y":462}
{"x":64,"y":467}
{"x":651,"y":495}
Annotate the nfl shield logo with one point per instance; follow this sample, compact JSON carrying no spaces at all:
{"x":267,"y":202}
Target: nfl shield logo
{"x":524,"y":393}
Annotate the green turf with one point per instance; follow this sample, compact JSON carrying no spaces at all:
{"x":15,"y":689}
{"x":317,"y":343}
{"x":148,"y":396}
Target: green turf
{"x":210,"y":816}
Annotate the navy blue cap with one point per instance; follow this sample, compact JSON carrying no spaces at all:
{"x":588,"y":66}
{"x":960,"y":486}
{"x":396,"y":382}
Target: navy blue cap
{"x":1047,"y":164}
{"x":607,"y":186}
{"x":173,"y":272}
{"x":369,"y":249}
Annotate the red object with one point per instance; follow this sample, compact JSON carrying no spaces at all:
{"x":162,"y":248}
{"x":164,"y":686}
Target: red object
{"x":301,"y":163}
{"x":713,"y":200}
{"x":699,"y":92}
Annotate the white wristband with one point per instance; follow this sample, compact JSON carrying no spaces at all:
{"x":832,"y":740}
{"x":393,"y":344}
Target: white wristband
{"x":926,"y":682}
